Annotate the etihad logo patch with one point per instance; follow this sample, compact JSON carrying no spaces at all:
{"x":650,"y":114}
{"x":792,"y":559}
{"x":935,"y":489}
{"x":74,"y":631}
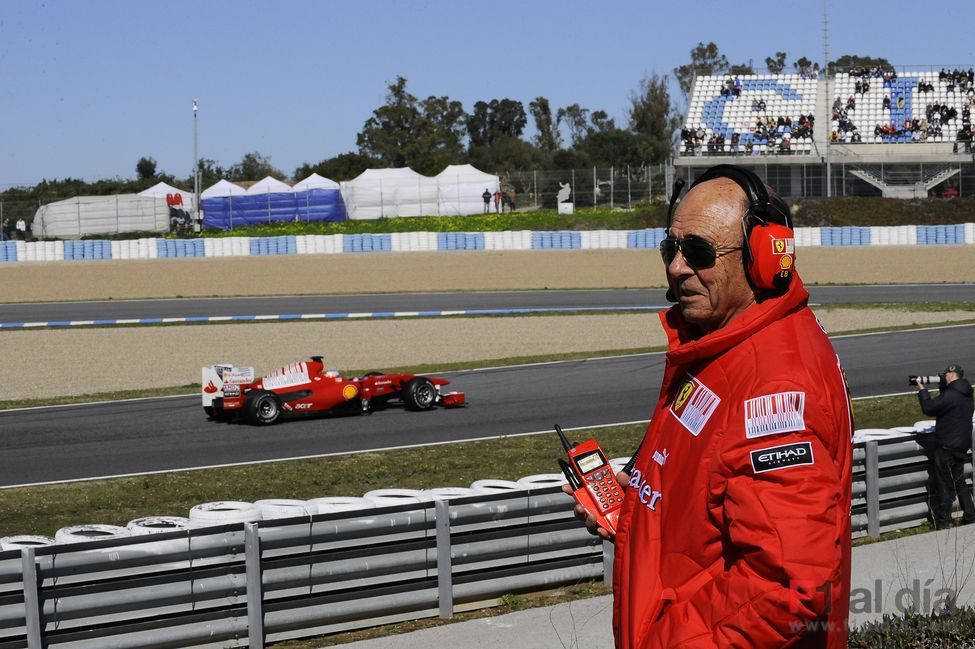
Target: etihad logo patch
{"x":694,"y":405}
{"x":772,"y":414}
{"x":782,"y":457}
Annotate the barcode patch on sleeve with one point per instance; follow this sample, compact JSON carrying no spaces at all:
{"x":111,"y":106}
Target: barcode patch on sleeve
{"x":772,"y":414}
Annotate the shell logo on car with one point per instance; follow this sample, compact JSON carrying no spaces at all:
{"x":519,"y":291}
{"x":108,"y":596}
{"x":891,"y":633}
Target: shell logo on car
{"x":350,"y":392}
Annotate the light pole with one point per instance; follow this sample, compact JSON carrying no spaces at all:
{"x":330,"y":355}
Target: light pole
{"x":196,"y":174}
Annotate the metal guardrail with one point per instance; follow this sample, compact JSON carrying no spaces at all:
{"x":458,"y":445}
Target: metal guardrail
{"x":253,"y":583}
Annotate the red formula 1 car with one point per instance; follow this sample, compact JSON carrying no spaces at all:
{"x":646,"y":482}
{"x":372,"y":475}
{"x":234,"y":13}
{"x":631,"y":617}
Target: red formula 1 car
{"x":308,"y":387}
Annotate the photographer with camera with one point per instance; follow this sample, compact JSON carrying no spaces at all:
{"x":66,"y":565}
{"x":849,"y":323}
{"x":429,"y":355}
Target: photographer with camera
{"x":949,"y":444}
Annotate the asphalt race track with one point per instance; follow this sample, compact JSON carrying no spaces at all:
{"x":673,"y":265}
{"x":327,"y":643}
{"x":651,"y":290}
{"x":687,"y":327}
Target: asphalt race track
{"x":224,"y":307}
{"x":72,"y":442}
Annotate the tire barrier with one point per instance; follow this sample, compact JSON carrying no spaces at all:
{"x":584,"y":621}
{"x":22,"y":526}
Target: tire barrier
{"x":284,"y":508}
{"x":491,"y":486}
{"x":22,"y":541}
{"x":542,"y":480}
{"x":157,"y":525}
{"x":331,"y":504}
{"x":387,"y":497}
{"x":223,"y":512}
{"x":84,"y":533}
{"x":448,"y":493}
{"x":318,"y":244}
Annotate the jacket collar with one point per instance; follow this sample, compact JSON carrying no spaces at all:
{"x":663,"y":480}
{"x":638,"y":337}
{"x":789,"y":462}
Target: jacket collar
{"x":687,"y":346}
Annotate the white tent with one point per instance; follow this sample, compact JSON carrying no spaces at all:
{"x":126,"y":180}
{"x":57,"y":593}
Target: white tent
{"x":377,"y":193}
{"x":269,"y":185}
{"x":222,"y":188}
{"x":314,"y":181}
{"x":461,"y":189}
{"x":76,"y":217}
{"x":162,"y":190}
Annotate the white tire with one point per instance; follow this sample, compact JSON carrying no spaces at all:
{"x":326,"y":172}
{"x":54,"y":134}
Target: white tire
{"x":542,"y":480}
{"x":873,"y":434}
{"x":85,"y":533}
{"x":283,"y":508}
{"x":224,"y":512}
{"x":25,"y":541}
{"x":924,"y":426}
{"x":490,"y":486}
{"x":390,"y":497}
{"x":157,"y":525}
{"x":448,"y":493}
{"x":330,"y":504}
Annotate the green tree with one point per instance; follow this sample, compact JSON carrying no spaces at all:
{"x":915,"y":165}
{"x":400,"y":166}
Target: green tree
{"x":344,"y":166}
{"x":653,"y":118}
{"x":145,"y":168}
{"x":489,"y":122}
{"x":547,"y":137}
{"x":210,"y":173}
{"x":406,"y":132}
{"x":777,"y":64}
{"x":849,"y":61}
{"x":705,"y":60}
{"x":803,"y":63}
{"x":253,"y":166}
{"x":742,"y":68}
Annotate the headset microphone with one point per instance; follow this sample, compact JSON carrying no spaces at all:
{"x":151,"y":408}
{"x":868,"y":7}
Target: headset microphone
{"x":669,"y":295}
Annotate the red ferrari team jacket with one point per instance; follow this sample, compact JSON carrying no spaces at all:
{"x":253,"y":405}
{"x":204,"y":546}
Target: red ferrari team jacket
{"x":735,"y":528}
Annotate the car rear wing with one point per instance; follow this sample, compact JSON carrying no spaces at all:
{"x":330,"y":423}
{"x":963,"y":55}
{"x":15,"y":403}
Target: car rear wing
{"x":215,"y":376}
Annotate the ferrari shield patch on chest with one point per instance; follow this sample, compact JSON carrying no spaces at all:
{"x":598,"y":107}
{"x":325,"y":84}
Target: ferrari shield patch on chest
{"x":694,"y":405}
{"x":771,"y":414}
{"x":781,"y":457}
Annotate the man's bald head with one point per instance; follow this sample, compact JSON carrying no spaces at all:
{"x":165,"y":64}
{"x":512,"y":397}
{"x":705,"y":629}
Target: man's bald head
{"x":711,"y":297}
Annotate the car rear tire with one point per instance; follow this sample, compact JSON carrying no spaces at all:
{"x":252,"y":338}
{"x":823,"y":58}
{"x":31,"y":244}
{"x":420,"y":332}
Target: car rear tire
{"x":209,"y":411}
{"x":263,"y":409}
{"x":419,"y":394}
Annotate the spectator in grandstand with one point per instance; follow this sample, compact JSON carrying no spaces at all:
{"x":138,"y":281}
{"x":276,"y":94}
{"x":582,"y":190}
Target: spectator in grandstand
{"x":942,"y":75}
{"x":851,"y":103}
{"x":737,"y":87}
{"x":900,"y":102}
{"x":886,"y":105}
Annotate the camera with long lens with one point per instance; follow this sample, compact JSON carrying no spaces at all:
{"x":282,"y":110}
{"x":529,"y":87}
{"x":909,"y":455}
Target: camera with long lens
{"x":914,"y":380}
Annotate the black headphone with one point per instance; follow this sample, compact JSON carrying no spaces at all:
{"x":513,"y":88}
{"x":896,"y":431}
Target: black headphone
{"x":768,"y":249}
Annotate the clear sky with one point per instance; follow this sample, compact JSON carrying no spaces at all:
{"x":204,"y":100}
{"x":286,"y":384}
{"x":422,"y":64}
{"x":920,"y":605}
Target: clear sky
{"x":87,"y":87}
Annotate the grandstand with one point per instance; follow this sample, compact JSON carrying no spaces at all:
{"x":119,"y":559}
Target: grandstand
{"x":886,"y":133}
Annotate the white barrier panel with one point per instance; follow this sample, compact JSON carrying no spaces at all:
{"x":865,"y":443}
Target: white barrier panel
{"x":808,"y":237}
{"x":152,"y":250}
{"x":117,"y":247}
{"x":970,"y":233}
{"x":603,"y":239}
{"x":508,"y":240}
{"x":907,"y":235}
{"x":31,"y":252}
{"x":413,"y":241}
{"x":21,"y":247}
{"x":879,"y":235}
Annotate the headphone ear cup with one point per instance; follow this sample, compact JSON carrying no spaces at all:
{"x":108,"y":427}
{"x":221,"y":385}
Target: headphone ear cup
{"x":770,"y":258}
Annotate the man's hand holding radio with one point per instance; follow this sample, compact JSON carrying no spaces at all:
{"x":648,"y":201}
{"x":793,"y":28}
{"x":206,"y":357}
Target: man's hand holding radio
{"x":591,"y":523}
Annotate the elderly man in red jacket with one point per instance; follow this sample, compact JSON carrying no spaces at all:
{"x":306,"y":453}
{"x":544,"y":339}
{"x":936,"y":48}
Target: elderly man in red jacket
{"x":735,"y":527}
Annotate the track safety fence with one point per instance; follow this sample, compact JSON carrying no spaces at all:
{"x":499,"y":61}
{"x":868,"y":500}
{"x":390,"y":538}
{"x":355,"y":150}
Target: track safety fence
{"x":247,"y":584}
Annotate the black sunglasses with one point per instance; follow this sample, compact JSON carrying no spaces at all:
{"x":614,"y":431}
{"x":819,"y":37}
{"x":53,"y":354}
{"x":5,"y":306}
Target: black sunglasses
{"x":697,"y":252}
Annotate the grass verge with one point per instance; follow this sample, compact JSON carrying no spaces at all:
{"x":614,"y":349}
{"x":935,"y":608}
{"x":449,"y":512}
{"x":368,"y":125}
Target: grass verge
{"x":46,"y":508}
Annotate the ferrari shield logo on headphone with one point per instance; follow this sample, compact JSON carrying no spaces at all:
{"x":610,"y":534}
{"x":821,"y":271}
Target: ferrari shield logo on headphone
{"x":783,"y":246}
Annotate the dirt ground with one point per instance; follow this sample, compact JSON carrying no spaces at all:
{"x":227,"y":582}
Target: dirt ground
{"x":131,"y":358}
{"x":452,"y":271}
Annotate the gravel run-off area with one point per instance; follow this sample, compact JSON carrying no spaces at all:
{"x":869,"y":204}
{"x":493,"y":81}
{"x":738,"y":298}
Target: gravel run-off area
{"x":56,"y":362}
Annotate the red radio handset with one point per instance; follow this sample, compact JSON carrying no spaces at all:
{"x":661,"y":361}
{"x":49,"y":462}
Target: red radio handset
{"x":593,"y":481}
